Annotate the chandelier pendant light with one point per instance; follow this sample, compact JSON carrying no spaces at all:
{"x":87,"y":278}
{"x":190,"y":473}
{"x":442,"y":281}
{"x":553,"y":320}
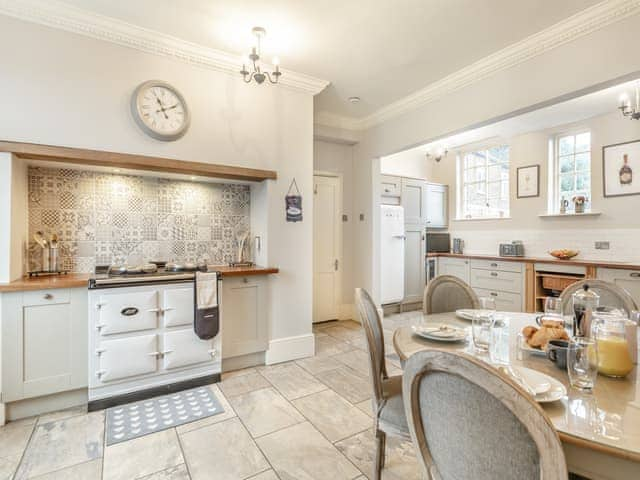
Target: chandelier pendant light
{"x":257,"y":73}
{"x":626,"y":108}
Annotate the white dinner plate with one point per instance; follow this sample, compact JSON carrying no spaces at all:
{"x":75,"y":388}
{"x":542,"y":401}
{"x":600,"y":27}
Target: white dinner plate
{"x":440,"y":334}
{"x":547,"y":388}
{"x":465,"y":313}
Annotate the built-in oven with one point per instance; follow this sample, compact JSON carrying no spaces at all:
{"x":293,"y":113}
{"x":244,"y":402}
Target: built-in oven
{"x":438,"y":243}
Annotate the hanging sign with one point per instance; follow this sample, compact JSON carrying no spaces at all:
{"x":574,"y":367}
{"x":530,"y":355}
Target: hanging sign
{"x":293,"y":203}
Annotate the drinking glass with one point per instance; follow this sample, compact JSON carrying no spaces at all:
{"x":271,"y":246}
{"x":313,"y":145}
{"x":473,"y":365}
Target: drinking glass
{"x":481,"y":324}
{"x":499,"y":340}
{"x":553,"y":309}
{"x":582,"y":363}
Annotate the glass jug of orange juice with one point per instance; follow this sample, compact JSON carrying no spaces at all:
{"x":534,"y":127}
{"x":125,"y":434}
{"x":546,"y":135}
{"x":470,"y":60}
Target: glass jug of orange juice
{"x":609,"y":330}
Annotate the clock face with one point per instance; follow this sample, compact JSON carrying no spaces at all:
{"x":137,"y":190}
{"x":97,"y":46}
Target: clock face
{"x":160,"y":110}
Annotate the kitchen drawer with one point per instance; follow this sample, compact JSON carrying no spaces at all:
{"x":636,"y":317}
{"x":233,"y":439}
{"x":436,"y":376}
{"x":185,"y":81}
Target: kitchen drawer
{"x":496,"y":280}
{"x":46,"y":297}
{"x":505,"y":301}
{"x":497,"y":265}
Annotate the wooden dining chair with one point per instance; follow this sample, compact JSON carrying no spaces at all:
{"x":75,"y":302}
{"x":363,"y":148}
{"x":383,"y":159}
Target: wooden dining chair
{"x":447,"y":293}
{"x":388,"y":407}
{"x":470,"y":422}
{"x":611,"y":295}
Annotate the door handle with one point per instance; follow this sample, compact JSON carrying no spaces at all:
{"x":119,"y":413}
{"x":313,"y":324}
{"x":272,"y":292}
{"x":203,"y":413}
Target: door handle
{"x":634,"y":275}
{"x":403,"y":237}
{"x":335,"y":265}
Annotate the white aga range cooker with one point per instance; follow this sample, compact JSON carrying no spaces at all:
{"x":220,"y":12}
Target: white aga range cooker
{"x":141,"y":336}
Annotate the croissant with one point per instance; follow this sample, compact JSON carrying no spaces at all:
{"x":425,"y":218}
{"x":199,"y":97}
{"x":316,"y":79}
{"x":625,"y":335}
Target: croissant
{"x":539,"y":337}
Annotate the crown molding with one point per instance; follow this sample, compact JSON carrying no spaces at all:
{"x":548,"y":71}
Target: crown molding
{"x":583,"y":23}
{"x":62,"y":16}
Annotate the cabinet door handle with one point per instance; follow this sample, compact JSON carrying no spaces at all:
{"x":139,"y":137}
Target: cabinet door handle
{"x":494,"y":264}
{"x":635,"y":275}
{"x":494,"y":274}
{"x":493,"y":294}
{"x":48,"y":296}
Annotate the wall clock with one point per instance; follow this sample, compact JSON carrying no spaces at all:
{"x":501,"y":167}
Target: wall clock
{"x":160,"y":110}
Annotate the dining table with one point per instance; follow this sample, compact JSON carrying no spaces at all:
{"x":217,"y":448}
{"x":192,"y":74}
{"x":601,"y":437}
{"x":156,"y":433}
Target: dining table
{"x":599,"y":430}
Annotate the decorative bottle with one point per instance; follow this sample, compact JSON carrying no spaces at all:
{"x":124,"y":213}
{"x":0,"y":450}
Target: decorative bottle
{"x":626,"y":174}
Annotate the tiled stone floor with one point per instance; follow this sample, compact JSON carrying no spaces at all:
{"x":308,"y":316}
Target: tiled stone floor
{"x":308,"y":419}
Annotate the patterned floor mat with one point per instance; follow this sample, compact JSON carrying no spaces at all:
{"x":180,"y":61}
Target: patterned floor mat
{"x":133,"y":420}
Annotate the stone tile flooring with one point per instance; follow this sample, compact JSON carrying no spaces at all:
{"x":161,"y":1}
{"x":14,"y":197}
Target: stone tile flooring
{"x":308,"y":419}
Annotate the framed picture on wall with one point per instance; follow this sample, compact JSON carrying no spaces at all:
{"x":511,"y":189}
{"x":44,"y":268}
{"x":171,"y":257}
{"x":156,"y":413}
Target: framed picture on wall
{"x":528,"y":181}
{"x":621,"y":169}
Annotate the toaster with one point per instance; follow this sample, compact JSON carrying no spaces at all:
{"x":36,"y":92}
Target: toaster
{"x":513,"y":249}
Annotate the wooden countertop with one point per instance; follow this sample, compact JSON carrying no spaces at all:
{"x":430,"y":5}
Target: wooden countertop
{"x":575,"y":261}
{"x":75,"y":280}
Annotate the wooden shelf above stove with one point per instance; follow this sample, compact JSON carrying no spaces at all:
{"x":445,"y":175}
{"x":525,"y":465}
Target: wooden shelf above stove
{"x":81,"y":156}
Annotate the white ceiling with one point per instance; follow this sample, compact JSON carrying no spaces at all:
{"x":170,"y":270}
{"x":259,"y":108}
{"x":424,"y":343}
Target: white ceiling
{"x":571,"y":111}
{"x":379,"y":50}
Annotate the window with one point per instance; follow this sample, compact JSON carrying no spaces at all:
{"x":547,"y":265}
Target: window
{"x":572,"y":170}
{"x":483,"y":183}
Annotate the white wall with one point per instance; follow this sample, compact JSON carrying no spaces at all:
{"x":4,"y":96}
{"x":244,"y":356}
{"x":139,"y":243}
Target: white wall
{"x":407,"y":164}
{"x":65,"y":89}
{"x":13,"y":218}
{"x":584,"y":63}
{"x":338,"y":158}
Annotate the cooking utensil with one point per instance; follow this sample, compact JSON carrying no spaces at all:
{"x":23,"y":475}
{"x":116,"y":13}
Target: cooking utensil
{"x":40,"y":240}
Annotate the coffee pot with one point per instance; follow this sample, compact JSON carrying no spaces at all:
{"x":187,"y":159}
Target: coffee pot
{"x":585,"y":302}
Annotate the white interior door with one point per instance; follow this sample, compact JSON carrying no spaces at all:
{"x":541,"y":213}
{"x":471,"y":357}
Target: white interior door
{"x":327,"y":242}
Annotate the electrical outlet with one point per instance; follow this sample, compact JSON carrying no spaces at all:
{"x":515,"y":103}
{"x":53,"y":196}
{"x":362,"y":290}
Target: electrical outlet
{"x":602,"y":246}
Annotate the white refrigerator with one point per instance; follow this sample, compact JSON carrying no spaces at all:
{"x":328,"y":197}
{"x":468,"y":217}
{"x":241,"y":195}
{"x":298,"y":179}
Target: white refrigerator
{"x":392,"y":253}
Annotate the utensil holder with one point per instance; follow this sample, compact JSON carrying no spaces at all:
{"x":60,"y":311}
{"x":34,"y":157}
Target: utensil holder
{"x":53,"y":259}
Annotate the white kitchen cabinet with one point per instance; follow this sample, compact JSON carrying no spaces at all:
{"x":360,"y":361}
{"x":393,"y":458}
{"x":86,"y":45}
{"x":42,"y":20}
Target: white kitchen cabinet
{"x":458,"y":267}
{"x":414,"y":264}
{"x":243,"y":305}
{"x":44,"y":342}
{"x":627,"y":279}
{"x":437,"y":201}
{"x":414,"y":201}
{"x":505,"y":301}
{"x":501,"y":280}
{"x":390,"y":186}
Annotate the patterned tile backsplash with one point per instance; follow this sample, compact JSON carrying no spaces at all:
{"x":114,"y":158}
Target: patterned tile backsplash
{"x":102,"y":218}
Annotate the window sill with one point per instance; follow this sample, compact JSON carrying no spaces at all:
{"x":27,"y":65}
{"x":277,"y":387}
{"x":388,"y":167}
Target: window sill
{"x":479,"y":219}
{"x":572,"y":215}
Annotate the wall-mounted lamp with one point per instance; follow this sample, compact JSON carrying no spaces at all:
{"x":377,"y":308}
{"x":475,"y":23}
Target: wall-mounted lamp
{"x":439,"y":154}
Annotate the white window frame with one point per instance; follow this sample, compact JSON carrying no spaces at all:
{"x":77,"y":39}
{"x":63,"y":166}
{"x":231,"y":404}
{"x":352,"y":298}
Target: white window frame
{"x":554,"y":171}
{"x":460,"y":181}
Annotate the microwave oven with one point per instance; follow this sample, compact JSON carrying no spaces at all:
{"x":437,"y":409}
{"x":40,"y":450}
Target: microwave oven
{"x":438,"y":243}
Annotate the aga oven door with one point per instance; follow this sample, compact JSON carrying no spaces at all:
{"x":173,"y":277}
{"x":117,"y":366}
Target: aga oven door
{"x":178,"y":305}
{"x":130,"y":311}
{"x":127,"y":357}
{"x":183,"y":347}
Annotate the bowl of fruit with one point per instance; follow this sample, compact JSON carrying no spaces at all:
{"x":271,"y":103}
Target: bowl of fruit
{"x":564,"y":253}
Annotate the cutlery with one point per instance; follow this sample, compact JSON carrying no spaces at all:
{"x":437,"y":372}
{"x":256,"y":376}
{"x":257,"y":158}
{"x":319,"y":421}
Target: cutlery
{"x":39,"y":238}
